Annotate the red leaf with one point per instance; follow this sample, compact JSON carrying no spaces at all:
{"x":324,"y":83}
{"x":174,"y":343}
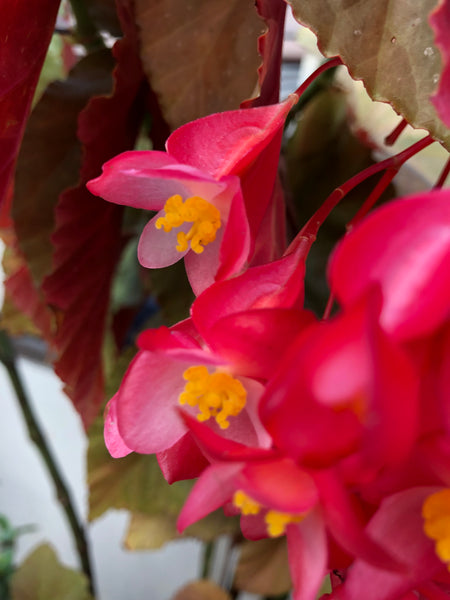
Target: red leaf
{"x":25,"y":33}
{"x":440,"y":22}
{"x":87,"y":236}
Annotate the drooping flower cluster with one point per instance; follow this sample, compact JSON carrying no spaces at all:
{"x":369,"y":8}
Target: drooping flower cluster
{"x":335,"y":432}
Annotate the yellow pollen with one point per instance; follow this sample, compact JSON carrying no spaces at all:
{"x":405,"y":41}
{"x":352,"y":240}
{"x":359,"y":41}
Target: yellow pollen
{"x":436,"y":514}
{"x":246,"y":505}
{"x":217,"y":395}
{"x":276,"y":521}
{"x":203,"y":215}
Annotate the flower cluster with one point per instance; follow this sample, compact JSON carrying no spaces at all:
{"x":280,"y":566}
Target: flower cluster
{"x":333,"y":432}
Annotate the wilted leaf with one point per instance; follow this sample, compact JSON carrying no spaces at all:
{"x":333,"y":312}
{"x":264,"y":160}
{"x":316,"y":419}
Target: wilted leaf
{"x":87,"y":238}
{"x":25,"y":33}
{"x":387,"y":44}
{"x":263,"y":567}
{"x":148,"y":532}
{"x":42,"y":577}
{"x":440,"y":21}
{"x":134,"y":482}
{"x":201,"y":589}
{"x":199,"y":55}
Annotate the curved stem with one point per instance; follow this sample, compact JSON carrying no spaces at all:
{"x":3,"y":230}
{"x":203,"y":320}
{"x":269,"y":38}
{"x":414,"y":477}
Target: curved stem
{"x":333,"y":62}
{"x":393,"y":162}
{"x":8,"y":359}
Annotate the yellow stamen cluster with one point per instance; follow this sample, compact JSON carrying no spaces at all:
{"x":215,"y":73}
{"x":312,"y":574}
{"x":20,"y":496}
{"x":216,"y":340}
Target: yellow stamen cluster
{"x":276,"y":521}
{"x":245,"y":504}
{"x":217,"y":395}
{"x":203,"y":215}
{"x":436,"y":513}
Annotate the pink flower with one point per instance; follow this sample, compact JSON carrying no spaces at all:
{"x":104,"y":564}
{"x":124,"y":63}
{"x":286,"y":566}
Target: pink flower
{"x":276,"y":496}
{"x":345,"y":395}
{"x":199,"y":218}
{"x":212,"y":191}
{"x":401,"y":524}
{"x":404,"y":247}
{"x":219,"y":379}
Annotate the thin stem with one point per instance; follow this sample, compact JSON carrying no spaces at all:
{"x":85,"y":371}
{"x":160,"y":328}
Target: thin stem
{"x":207,"y":555}
{"x":393,"y":162}
{"x":86,"y":30}
{"x":333,"y":62}
{"x":443,"y":176}
{"x":328,"y":307}
{"x":8,"y":359}
{"x":390,"y":139}
{"x":374,"y":195}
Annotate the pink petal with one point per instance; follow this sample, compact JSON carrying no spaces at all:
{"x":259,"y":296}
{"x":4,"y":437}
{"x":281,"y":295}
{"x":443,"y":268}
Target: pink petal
{"x":127,"y":179}
{"x":220,"y":448}
{"x":344,"y":519}
{"x":183,"y":460}
{"x":276,"y":284}
{"x":397,"y":524}
{"x":279,"y":484}
{"x":212,"y":490}
{"x":146,"y":403}
{"x":308,"y":556}
{"x":225,"y":143}
{"x":256,"y":340}
{"x":158,"y":248}
{"x":113,"y":440}
{"x":440,"y":22}
{"x":405,"y":247}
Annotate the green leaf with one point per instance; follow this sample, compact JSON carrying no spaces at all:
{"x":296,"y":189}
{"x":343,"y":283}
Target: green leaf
{"x":42,"y":577}
{"x":387,"y":44}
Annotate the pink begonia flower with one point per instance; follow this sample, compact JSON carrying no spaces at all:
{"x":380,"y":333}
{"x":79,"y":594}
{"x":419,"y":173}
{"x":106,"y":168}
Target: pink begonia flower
{"x":199,"y":218}
{"x":404,"y":247}
{"x":276,"y":497}
{"x":196,"y":188}
{"x":220,"y":380}
{"x":344,"y":375}
{"x":401,"y":524}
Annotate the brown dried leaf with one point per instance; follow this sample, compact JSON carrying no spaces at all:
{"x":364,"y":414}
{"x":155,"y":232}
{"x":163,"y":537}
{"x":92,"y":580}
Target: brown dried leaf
{"x":200,"y":56}
{"x":201,"y":589}
{"x":263,"y":567}
{"x":387,"y":44}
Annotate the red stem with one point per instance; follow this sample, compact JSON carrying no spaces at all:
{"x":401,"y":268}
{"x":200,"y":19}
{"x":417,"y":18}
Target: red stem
{"x":333,"y":62}
{"x":390,"y":139}
{"x":393,"y":162}
{"x":443,"y":176}
{"x":374,"y":195}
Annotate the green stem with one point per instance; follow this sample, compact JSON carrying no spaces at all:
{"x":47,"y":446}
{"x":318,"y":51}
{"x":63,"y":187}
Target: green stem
{"x":8,"y":359}
{"x":207,"y":554}
{"x":86,"y":30}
